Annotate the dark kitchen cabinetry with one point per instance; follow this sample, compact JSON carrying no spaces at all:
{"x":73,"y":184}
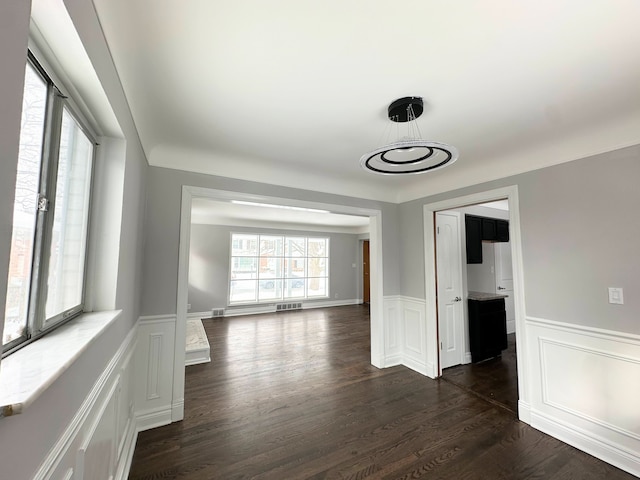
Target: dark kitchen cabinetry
{"x":494,"y":230}
{"x":473,"y":227}
{"x":502,"y":230}
{"x":487,"y":328}
{"x":481,"y":229}
{"x":488,"y":228}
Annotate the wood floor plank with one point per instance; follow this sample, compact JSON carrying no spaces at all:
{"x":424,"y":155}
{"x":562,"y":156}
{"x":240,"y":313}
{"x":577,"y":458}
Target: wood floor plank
{"x":292,"y":395}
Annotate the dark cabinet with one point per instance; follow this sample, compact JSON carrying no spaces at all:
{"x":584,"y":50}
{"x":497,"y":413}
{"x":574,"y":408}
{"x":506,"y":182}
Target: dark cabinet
{"x":502,"y":231}
{"x":488,"y":229}
{"x":487,"y":328}
{"x":495,"y":230}
{"x":473,"y":227}
{"x":481,"y":229}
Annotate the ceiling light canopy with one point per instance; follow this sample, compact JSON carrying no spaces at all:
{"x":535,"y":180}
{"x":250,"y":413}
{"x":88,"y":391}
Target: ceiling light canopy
{"x":409,"y":154}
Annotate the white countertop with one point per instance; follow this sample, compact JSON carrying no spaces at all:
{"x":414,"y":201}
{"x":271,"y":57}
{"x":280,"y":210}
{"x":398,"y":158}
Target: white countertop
{"x":484,"y":296}
{"x":25,"y":374}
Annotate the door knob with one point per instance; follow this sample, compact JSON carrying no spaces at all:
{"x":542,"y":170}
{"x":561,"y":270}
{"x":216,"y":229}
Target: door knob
{"x":457,"y":299}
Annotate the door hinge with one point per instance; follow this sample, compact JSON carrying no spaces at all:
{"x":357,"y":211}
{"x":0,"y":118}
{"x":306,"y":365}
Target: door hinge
{"x":438,"y":230}
{"x":440,"y":345}
{"x":43,"y":203}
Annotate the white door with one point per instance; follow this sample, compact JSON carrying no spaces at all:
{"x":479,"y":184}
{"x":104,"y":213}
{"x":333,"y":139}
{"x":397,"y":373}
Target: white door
{"x":449,"y":280}
{"x":504,"y":281}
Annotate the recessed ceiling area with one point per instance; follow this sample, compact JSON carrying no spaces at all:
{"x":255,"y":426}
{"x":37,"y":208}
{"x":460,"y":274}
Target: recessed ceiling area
{"x":294,"y":93}
{"x":215,"y":212}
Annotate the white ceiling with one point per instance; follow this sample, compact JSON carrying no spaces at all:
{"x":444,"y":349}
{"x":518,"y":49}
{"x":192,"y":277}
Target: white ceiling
{"x":214,"y":212}
{"x":292,"y":93}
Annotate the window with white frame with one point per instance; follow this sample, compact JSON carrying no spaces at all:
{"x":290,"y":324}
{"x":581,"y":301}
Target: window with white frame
{"x":269,"y":268}
{"x":50,"y":215}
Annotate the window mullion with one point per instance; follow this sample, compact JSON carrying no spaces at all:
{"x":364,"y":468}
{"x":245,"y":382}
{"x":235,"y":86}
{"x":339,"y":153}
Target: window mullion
{"x":51,"y":150}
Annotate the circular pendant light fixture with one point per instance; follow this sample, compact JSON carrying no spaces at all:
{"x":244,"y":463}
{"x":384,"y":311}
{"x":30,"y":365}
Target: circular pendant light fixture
{"x":409,"y":154}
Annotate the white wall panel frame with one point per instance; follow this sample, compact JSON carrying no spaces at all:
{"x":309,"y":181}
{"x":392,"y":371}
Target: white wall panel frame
{"x":154,"y":370}
{"x":106,"y":395}
{"x":393,"y":331}
{"x":405,"y":334}
{"x":588,"y":383}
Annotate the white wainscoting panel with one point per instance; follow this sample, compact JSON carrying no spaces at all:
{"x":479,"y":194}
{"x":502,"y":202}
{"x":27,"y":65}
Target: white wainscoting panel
{"x":392,"y":331}
{"x":405,"y":333}
{"x":586,"y":389}
{"x":99,"y":441}
{"x":414,"y":331}
{"x":154,"y":371}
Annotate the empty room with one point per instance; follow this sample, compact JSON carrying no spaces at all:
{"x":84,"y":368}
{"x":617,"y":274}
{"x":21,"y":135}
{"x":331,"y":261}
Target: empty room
{"x":290,"y":240}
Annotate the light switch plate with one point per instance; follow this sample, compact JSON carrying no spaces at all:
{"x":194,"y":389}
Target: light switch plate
{"x":615,"y":295}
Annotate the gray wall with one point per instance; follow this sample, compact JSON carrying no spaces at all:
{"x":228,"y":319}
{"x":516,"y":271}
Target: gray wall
{"x":25,"y":439}
{"x":580,"y":229}
{"x":209,"y":263}
{"x":480,"y":276}
{"x":164,"y":194}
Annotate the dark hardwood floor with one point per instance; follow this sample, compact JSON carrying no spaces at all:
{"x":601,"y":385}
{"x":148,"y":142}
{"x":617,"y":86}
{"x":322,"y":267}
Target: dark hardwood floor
{"x":495,"y":379}
{"x":292,"y":396}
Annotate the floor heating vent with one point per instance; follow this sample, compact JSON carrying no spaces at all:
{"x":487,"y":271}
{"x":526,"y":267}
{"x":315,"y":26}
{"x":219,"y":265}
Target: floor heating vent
{"x":288,"y":306}
{"x":217,"y":312}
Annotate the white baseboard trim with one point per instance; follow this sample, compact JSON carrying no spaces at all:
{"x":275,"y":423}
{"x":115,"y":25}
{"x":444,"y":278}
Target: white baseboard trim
{"x":249,"y":310}
{"x":524,"y":412}
{"x":467,"y":358}
{"x":511,"y":326}
{"x":587,"y":442}
{"x":417,"y":366}
{"x":271,"y":307}
{"x":199,"y":315}
{"x":177,"y":410}
{"x":392,"y":361}
{"x":330,"y":303}
{"x":152,"y":419}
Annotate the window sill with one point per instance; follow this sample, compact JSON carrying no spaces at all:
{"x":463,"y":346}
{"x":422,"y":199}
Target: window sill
{"x":27,"y":373}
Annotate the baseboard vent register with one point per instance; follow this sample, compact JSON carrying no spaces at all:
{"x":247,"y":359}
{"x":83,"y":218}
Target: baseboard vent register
{"x":217,"y":312}
{"x":288,"y":306}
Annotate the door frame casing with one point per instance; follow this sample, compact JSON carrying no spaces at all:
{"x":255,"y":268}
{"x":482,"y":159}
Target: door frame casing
{"x":431,"y":313}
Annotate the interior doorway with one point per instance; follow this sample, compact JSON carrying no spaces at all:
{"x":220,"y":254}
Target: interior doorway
{"x":481,"y":262}
{"x":375,"y":264}
{"x":434,"y":277}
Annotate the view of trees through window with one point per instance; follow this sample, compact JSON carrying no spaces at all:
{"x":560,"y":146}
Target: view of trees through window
{"x":45,"y":284}
{"x":268,"y":268}
{"x":34,"y":105}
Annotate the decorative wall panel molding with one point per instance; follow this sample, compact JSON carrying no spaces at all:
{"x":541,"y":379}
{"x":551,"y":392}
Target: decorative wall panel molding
{"x":392,"y":331}
{"x":585,"y":389}
{"x":154,"y":371}
{"x":99,"y":441}
{"x":405,"y":333}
